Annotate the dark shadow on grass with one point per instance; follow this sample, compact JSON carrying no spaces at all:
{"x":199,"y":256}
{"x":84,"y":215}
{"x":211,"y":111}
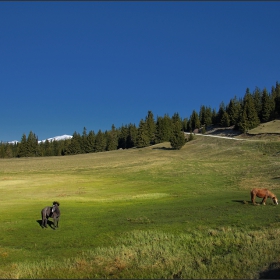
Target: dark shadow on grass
{"x":276,"y":178}
{"x":49,"y":223}
{"x":273,"y":272}
{"x":163,"y":148}
{"x":249,"y":202}
{"x":241,"y":201}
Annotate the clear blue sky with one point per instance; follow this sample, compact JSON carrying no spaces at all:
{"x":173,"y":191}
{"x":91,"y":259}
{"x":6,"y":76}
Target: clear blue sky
{"x":69,"y":65}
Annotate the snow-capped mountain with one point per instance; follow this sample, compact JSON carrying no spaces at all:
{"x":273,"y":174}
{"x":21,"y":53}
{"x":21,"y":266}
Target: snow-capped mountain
{"x":13,"y":142}
{"x":57,"y":138}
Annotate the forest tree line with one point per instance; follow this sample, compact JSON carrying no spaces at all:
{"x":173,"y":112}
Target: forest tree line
{"x":245,"y":113}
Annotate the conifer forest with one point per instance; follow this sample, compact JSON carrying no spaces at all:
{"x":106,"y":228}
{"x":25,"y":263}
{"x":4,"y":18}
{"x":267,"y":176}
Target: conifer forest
{"x":244,"y":114}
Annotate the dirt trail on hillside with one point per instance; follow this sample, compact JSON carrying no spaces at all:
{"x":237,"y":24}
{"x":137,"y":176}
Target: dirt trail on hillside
{"x":219,"y":136}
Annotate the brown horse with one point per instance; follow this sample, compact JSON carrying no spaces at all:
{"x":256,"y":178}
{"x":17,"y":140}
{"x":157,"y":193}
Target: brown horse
{"x":264,"y":194}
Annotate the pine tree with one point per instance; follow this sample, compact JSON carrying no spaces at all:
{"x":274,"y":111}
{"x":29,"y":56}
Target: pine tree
{"x":22,"y":149}
{"x":6,"y":150}
{"x":257,"y":96}
{"x":267,"y":107}
{"x":177,"y":139}
{"x":194,"y":121}
{"x":84,"y":142}
{"x":74,"y":147}
{"x":159,"y":130}
{"x":65,"y":147}
{"x":205,"y":116}
{"x":151,"y":127}
{"x":243,"y":121}
{"x":214,"y":117}
{"x":163,"y":129}
{"x":2,"y":149}
{"x":56,"y":147}
{"x":142,"y":139}
{"x":112,"y":141}
{"x":106,"y":137}
{"x":225,"y":121}
{"x":185,"y":124}
{"x":100,"y":142}
{"x":40,"y":149}
{"x":15,"y":149}
{"x":9,"y":151}
{"x":176,"y":119}
{"x":47,"y":149}
{"x":233,"y":111}
{"x":122,"y":139}
{"x":222,"y":110}
{"x":208,"y":117}
{"x":249,"y":118}
{"x":132,"y":136}
{"x":31,"y":145}
{"x":202,"y":114}
{"x":91,"y":141}
{"x":277,"y":100}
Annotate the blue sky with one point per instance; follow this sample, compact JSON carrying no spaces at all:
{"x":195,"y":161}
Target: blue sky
{"x":69,"y":65}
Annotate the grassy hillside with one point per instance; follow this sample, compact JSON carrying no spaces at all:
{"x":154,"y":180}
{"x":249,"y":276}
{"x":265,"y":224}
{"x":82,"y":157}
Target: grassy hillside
{"x":269,"y":127}
{"x":143,"y":213}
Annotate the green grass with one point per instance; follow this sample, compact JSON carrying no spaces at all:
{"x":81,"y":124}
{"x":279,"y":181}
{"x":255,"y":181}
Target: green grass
{"x":143,"y":213}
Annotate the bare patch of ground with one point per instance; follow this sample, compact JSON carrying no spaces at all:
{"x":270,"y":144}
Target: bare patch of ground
{"x":267,"y":131}
{"x":223,"y":131}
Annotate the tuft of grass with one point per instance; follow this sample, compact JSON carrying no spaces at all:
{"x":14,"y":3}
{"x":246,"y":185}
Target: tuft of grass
{"x":215,"y":253}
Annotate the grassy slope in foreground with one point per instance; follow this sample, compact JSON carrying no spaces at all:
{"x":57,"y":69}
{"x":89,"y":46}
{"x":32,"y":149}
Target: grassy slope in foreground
{"x":142,"y":213}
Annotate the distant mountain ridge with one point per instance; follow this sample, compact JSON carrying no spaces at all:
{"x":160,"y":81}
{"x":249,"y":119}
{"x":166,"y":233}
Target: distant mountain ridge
{"x":56,"y":138}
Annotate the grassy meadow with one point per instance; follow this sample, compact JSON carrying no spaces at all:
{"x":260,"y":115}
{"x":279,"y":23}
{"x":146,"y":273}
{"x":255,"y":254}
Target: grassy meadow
{"x":143,"y":213}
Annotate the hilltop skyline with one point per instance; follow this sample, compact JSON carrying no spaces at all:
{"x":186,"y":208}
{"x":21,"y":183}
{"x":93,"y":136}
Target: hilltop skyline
{"x":69,"y":65}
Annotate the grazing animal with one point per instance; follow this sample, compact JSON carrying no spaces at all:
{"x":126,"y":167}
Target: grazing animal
{"x":51,"y":212}
{"x":263,"y":193}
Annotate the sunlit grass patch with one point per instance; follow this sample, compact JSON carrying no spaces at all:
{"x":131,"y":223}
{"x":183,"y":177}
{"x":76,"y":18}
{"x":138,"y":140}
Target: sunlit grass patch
{"x":83,"y":196}
{"x":150,"y":196}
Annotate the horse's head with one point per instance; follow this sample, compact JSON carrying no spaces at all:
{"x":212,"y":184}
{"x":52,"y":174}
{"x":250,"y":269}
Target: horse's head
{"x":275,"y":200}
{"x":55,"y":206}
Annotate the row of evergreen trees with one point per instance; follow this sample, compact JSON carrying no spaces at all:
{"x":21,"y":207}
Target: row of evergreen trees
{"x":244,"y":114}
{"x":148,"y":133}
